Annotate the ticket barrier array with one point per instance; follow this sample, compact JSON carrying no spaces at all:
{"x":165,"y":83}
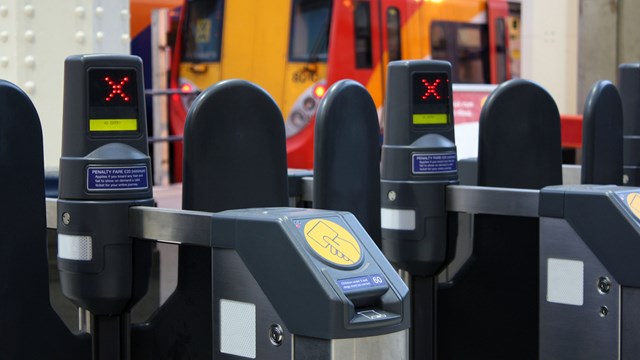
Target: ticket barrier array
{"x":496,"y":305}
{"x":287,"y":283}
{"x":380,"y":332}
{"x":460,"y":311}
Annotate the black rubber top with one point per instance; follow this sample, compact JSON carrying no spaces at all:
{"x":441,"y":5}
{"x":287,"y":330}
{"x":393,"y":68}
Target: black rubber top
{"x":519,"y":144}
{"x":347,"y":155}
{"x":629,"y":84}
{"x":234,"y":150}
{"x":30,"y":328}
{"x":602,"y":136}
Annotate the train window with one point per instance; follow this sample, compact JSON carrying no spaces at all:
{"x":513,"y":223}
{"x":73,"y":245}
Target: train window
{"x":471,"y":60}
{"x":465,"y":46}
{"x":469,"y":37}
{"x":393,"y":34}
{"x":438,"y":41}
{"x":310,"y":21}
{"x":203,"y":31}
{"x":362,"y":31}
{"x":501,"y":51}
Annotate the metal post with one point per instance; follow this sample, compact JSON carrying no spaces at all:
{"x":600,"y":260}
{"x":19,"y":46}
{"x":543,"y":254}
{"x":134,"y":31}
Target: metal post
{"x":159,"y":81}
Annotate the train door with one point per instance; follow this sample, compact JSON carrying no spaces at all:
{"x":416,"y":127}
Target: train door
{"x":497,"y":21}
{"x":201,"y":44}
{"x":355,"y":51}
{"x":196,"y":63}
{"x":305,"y":76}
{"x":464,"y":44}
{"x":393,"y":14}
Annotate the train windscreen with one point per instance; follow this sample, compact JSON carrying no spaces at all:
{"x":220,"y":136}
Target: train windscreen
{"x":310,"y":22}
{"x":202,"y":31}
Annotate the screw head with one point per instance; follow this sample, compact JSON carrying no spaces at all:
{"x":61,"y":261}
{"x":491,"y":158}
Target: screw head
{"x":391,"y":195}
{"x":604,"y":311}
{"x":66,"y":218}
{"x":604,"y":285}
{"x":276,"y":334}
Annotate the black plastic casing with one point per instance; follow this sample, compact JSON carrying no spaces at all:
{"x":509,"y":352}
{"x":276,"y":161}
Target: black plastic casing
{"x":604,"y":220}
{"x":104,"y":285}
{"x":425,"y":249}
{"x":320,"y":308}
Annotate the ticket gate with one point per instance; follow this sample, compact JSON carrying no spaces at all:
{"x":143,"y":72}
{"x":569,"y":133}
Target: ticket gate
{"x":233,"y":124}
{"x":287,"y":283}
{"x":420,"y":198}
{"x":495,"y":295}
{"x":588,"y":293}
{"x":589,"y":285}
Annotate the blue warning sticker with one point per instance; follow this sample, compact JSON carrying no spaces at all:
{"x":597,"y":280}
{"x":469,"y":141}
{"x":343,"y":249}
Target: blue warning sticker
{"x":434,"y":163}
{"x":121,"y":178}
{"x":361,"y":282}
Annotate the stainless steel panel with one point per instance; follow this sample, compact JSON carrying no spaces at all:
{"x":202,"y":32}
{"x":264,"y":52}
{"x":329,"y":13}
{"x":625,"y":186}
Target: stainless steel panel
{"x":586,"y":331}
{"x":492,"y":200}
{"x":171,"y":225}
{"x":177,"y":226}
{"x":384,"y":347}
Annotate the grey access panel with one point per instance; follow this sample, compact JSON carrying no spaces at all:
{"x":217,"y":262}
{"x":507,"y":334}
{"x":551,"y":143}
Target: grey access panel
{"x":571,"y":325}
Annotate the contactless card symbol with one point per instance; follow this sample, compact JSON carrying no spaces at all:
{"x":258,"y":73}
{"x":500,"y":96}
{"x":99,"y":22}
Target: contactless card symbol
{"x":332,"y":242}
{"x":633,"y":201}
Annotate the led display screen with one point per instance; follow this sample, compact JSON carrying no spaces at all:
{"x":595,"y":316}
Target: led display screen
{"x":113,"y":100}
{"x":430,"y":88}
{"x":431,"y":98}
{"x":112,"y":87}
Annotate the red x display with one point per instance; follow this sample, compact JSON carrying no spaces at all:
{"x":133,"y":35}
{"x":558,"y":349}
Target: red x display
{"x":431,"y":89}
{"x":117,"y":89}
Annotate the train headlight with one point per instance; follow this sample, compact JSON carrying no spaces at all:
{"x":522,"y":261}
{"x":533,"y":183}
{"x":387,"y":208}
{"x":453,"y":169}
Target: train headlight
{"x":189,"y":93}
{"x":309,"y":104}
{"x":319,"y":90}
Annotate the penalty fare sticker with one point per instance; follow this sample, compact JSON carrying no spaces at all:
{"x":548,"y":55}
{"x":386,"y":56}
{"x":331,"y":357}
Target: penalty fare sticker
{"x":102,"y":178}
